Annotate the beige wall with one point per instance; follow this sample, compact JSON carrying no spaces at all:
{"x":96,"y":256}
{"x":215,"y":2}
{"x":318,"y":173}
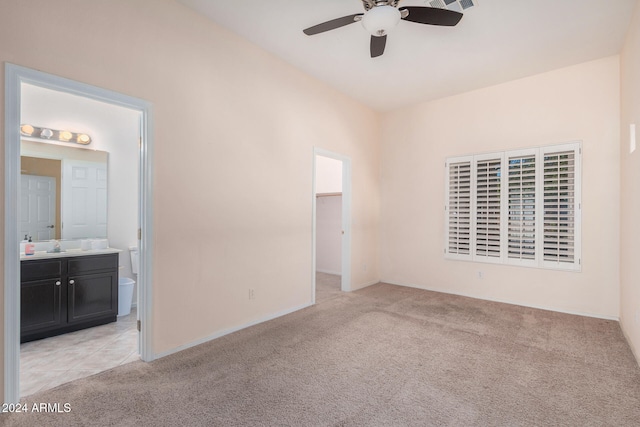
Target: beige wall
{"x":234,"y":135}
{"x":329,"y":234}
{"x":630,"y":188}
{"x":576,"y":103}
{"x":328,"y":175}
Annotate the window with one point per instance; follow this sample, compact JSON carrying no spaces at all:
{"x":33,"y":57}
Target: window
{"x":521,"y":199}
{"x":559,"y":245}
{"x":518,"y":207}
{"x":459,"y":205}
{"x":488,"y":207}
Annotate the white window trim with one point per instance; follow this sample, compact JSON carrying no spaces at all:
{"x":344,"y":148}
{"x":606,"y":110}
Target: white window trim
{"x":538,"y":261}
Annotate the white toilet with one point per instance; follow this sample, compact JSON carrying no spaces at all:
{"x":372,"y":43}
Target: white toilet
{"x":133,"y":253}
{"x":126,"y":285}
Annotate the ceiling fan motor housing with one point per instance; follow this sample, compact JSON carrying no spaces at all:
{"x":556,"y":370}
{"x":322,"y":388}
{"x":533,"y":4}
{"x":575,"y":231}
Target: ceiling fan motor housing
{"x":380,"y":20}
{"x":370,"y":4}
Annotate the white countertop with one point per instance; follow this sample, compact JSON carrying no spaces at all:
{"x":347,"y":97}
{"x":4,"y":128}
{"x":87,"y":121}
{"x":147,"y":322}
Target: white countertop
{"x":68,"y":253}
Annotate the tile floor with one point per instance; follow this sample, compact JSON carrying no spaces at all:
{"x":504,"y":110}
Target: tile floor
{"x":47,"y":363}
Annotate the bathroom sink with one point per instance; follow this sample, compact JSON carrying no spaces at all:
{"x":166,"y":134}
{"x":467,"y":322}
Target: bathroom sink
{"x":67,"y":253}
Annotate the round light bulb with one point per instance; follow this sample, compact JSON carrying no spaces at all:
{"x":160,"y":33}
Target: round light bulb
{"x":27,"y":130}
{"x":65,"y":135}
{"x":380,"y":20}
{"x":46,"y":133}
{"x":83,"y":139}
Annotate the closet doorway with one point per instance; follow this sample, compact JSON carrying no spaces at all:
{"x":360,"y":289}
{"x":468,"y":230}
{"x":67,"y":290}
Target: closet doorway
{"x":331,"y":224}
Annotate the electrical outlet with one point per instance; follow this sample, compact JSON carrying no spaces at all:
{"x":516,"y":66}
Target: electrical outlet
{"x":480,"y":275}
{"x":252,"y":293}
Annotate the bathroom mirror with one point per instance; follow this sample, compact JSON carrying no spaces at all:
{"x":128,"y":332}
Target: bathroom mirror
{"x":63,"y":192}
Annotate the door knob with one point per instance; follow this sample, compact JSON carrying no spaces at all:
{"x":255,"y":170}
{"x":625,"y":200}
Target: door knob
{"x":71,"y":282}
{"x":58,"y":283}
{"x":50,"y":226}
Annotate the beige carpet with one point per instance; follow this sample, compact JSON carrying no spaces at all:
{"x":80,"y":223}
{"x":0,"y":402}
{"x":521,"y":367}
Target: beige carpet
{"x":327,"y":286}
{"x":381,"y":356}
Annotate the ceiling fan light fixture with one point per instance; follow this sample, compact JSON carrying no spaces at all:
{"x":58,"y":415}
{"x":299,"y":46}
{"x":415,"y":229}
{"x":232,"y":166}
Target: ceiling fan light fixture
{"x":380,"y":20}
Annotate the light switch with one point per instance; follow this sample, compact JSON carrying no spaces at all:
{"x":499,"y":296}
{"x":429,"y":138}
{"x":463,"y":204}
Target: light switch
{"x":632,"y":138}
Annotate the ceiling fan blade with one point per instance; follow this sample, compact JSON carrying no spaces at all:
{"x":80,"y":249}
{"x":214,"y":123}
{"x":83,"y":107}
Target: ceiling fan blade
{"x":377,"y":45}
{"x":332,"y":25}
{"x":432,"y":15}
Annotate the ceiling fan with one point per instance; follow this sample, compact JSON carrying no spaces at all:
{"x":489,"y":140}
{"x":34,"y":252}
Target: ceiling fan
{"x":380,"y":17}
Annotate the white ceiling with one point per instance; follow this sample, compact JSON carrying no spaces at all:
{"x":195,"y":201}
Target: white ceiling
{"x":496,"y":41}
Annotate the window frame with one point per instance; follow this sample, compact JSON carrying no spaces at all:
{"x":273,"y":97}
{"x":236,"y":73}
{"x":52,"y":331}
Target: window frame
{"x":538,"y":261}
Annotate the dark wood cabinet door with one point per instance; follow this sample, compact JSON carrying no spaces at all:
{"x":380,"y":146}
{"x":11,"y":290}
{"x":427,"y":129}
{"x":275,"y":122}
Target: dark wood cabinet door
{"x":91,"y":296}
{"x":67,"y":294}
{"x":40,"y":305}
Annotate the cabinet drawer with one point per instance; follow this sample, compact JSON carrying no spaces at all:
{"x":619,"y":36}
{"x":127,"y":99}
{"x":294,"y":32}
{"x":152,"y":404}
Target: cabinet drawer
{"x":39,"y":269}
{"x":92,"y":263}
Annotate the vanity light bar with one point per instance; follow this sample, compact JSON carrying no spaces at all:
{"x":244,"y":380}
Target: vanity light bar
{"x":56,"y":135}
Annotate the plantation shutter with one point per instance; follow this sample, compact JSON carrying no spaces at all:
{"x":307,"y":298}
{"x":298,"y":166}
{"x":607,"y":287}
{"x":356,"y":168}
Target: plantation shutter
{"x":458,"y":205}
{"x":521,"y":220}
{"x":488,"y":176}
{"x":561,"y":217}
{"x":519,"y":207}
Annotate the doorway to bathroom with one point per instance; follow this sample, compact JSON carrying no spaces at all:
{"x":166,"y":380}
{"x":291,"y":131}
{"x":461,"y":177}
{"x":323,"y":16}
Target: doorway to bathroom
{"x":331,"y":224}
{"x":119,"y":127}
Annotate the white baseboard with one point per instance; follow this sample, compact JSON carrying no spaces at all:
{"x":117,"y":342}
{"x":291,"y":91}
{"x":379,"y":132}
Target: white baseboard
{"x":520,"y":303}
{"x":230,"y":330}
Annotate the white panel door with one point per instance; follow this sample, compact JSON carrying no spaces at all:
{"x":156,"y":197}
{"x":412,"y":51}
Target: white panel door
{"x":38,"y":207}
{"x":84,"y":199}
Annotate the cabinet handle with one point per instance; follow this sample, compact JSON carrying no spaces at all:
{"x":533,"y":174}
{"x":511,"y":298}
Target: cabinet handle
{"x":58,"y":283}
{"x":71,"y":282}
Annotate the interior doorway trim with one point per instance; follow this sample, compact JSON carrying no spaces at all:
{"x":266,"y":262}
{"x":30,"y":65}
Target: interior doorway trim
{"x":14,"y":76}
{"x":346,"y":220}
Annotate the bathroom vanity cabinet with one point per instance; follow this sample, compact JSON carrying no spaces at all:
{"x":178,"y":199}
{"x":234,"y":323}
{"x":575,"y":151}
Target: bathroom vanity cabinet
{"x":65,"y":294}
